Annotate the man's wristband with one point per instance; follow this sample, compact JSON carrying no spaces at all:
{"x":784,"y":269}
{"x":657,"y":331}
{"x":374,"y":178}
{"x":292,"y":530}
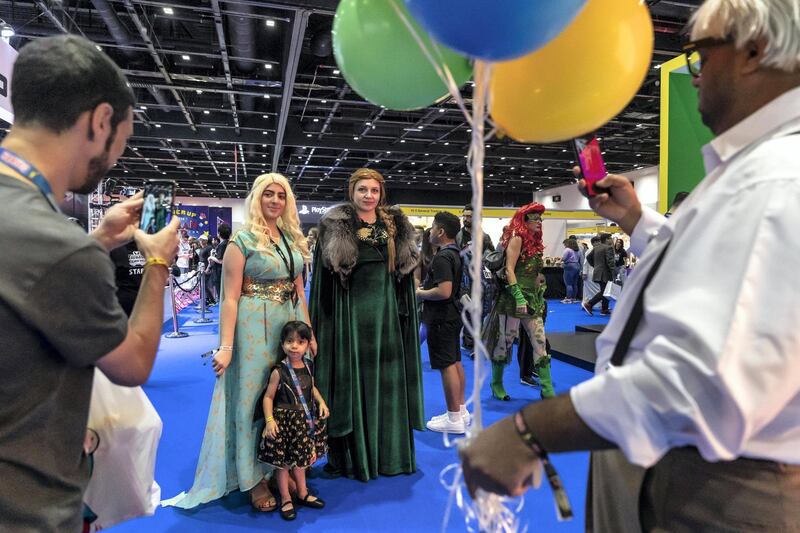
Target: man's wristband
{"x":224,"y":348}
{"x":156,"y":261}
{"x":563,"y":507}
{"x":526,"y":434}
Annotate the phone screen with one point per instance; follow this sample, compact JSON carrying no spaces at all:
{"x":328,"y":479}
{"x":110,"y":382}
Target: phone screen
{"x":591,"y":161}
{"x":159,"y":196}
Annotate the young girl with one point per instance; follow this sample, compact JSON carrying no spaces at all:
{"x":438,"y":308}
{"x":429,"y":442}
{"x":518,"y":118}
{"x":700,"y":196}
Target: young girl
{"x":295,"y":413}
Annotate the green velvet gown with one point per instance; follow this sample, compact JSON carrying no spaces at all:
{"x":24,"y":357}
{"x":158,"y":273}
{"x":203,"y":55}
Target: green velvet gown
{"x":368,"y":365}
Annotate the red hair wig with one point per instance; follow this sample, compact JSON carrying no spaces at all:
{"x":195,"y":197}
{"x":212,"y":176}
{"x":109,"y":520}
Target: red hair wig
{"x":531,"y":240}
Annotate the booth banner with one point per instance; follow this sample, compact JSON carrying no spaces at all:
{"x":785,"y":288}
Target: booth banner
{"x":218,"y":216}
{"x":311,"y":212}
{"x":7,"y":58}
{"x":194,"y":219}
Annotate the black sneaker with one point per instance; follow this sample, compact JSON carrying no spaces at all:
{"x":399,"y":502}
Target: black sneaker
{"x":529,"y":381}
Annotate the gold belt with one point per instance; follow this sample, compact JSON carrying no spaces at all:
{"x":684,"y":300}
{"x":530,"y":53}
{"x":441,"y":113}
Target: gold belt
{"x":276,"y":290}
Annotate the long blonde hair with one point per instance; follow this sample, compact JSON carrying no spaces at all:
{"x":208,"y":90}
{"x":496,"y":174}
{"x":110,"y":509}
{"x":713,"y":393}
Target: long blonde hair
{"x":288,"y":222}
{"x":387,"y":219}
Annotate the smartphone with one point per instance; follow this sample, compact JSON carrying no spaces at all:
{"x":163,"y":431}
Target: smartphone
{"x":159,"y":197}
{"x":590,"y":158}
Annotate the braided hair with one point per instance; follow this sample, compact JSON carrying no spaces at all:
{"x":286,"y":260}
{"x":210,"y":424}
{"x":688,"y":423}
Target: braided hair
{"x":383,"y":214}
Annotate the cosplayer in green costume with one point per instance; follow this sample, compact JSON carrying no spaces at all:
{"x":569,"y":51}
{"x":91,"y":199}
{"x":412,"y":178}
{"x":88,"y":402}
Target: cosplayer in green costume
{"x":363,"y":312}
{"x":521,"y":302}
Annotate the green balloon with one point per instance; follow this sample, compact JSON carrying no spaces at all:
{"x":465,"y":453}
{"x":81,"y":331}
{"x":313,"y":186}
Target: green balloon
{"x":381,"y":59}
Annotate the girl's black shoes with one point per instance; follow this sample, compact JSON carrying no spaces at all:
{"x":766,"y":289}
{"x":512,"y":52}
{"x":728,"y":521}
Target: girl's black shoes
{"x":313,"y":504}
{"x":290,"y":513}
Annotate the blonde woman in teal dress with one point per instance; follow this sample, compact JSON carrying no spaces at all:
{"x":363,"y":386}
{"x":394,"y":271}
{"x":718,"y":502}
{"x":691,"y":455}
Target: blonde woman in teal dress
{"x":262,"y":291}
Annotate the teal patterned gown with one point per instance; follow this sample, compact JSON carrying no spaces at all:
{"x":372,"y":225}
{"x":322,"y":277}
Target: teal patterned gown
{"x":228,"y":455}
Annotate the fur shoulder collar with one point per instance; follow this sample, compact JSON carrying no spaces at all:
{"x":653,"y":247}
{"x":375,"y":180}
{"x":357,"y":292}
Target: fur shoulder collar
{"x":337,"y":236}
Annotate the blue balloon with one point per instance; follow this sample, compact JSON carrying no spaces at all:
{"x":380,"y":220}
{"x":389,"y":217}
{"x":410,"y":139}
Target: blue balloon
{"x":495,"y":30}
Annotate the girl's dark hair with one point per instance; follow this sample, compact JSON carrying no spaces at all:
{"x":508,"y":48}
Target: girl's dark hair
{"x":294,"y":327}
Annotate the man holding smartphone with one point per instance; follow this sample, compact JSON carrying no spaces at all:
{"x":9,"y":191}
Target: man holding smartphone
{"x":694,"y":411}
{"x":58,"y":310}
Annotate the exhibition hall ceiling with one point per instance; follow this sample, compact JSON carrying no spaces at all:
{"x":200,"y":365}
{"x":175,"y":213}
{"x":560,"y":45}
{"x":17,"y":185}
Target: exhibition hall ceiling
{"x":228,"y":90}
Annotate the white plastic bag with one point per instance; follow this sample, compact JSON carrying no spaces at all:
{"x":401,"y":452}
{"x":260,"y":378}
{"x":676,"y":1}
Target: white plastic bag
{"x":122,"y":485}
{"x":612,"y":290}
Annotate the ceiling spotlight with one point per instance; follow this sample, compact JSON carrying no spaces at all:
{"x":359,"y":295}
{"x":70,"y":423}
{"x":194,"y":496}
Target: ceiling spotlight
{"x":213,"y":129}
{"x":186,"y":57}
{"x":206,"y":112}
{"x":316,"y":120}
{"x":266,"y":96}
{"x":402,"y":140}
{"x":6,"y":31}
{"x":158,"y":125}
{"x":308,"y":135}
{"x":169,"y":11}
{"x":336,"y":72}
{"x":268,"y":66}
{"x":441,"y":110}
{"x":143,"y":108}
{"x":270,"y":23}
{"x":323,"y":101}
{"x":447,"y":144}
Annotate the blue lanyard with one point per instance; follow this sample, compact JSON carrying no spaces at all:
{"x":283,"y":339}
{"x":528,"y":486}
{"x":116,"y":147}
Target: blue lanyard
{"x":29,"y":172}
{"x":299,"y":389}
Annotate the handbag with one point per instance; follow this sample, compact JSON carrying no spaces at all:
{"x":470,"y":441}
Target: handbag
{"x":122,"y":485}
{"x":612,"y":290}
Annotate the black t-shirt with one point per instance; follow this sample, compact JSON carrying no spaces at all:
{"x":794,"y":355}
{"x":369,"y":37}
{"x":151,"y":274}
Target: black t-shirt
{"x":445,"y":266}
{"x":202,"y":254}
{"x":219,"y":253}
{"x":128,"y":272}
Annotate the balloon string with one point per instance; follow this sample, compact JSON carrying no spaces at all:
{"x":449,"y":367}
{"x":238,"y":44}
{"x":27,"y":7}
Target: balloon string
{"x":488,"y":512}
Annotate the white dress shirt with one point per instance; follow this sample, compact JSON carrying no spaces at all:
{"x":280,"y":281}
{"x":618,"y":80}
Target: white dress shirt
{"x":715,"y":362}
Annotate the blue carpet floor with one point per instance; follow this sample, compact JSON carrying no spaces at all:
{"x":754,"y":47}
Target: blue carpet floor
{"x":180,"y":388}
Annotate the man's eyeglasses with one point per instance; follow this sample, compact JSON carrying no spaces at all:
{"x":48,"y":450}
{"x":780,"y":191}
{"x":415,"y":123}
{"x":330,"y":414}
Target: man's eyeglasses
{"x":692,"y":52}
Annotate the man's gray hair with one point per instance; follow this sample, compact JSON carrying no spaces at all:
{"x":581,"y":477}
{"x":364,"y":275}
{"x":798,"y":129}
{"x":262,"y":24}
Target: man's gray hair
{"x":776,"y":21}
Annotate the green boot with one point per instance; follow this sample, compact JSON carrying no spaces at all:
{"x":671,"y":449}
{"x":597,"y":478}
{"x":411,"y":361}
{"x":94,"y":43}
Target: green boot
{"x":545,"y":380}
{"x":498,"y":390}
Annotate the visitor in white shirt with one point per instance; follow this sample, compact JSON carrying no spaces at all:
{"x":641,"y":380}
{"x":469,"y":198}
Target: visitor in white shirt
{"x":708,"y":397}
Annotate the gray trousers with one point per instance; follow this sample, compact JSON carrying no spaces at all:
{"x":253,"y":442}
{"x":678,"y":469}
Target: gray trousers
{"x":685,"y":493}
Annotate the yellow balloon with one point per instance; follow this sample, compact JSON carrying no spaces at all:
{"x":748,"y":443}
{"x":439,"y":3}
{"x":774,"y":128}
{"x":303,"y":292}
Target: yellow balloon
{"x":578,"y":81}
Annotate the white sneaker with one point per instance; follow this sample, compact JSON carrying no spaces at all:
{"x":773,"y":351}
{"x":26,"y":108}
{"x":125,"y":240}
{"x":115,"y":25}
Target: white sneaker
{"x":444,"y":425}
{"x":467,"y":418}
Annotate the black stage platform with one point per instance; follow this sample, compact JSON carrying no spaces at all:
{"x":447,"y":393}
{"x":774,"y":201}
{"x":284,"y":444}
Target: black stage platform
{"x":591,"y":328}
{"x":574,"y":348}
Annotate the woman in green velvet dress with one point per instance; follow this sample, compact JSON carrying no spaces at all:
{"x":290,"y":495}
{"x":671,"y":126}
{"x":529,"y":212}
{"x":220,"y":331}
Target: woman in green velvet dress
{"x":521,"y":302}
{"x":363,"y":312}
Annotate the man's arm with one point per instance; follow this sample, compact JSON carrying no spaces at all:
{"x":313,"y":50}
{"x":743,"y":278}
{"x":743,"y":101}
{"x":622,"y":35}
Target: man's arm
{"x":130,"y":363}
{"x":499,"y":461}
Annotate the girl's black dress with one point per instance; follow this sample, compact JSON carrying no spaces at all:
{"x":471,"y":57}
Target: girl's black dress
{"x":293,"y":447}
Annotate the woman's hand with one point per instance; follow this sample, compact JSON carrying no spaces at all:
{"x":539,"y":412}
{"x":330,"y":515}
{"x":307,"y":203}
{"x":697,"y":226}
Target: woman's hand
{"x":522,"y":309}
{"x":324,"y":412}
{"x":312,"y":346}
{"x":221,"y":361}
{"x":270,"y":430}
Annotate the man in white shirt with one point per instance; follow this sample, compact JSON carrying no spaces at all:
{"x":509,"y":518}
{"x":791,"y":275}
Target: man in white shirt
{"x":706,"y":407}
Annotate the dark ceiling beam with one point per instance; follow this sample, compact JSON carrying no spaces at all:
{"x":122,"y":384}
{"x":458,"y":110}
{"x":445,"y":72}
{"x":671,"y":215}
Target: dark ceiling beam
{"x":145,"y":35}
{"x":299,"y":25}
{"x":223,"y":50}
{"x":53,"y":18}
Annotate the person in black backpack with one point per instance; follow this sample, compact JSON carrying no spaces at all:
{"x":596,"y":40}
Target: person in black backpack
{"x":441,"y":314}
